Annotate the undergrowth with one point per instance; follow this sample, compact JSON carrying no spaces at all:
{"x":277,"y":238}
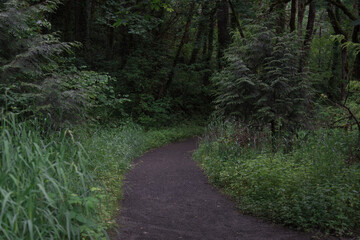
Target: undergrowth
{"x":314,"y":186}
{"x":111,"y":151}
{"x":66,"y":184}
{"x":46,"y":190}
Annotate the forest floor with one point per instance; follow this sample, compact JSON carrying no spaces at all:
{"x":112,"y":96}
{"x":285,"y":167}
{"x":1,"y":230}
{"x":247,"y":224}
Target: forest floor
{"x":167,"y":196}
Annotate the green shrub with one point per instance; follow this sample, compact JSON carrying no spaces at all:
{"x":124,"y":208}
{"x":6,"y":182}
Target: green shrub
{"x":261,"y":83}
{"x":315,"y":186}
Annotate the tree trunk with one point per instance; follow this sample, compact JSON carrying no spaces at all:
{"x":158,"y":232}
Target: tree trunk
{"x":199,"y":39}
{"x":223,"y":33}
{"x":293,"y":15}
{"x":334,"y":19}
{"x":88,"y":7}
{"x":334,"y":79}
{"x":344,"y":72}
{"x":237,"y":21}
{"x":308,"y":36}
{"x":77,"y":21}
{"x":110,"y":42}
{"x":281,"y":18}
{"x":355,"y":39}
{"x":210,"y":49}
{"x":165,"y":86}
{"x":68,"y":21}
{"x":301,"y":13}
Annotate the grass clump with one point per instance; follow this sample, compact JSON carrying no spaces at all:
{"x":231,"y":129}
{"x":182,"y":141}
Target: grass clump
{"x":46,"y":190}
{"x":314,"y":186}
{"x":66,"y":184}
{"x":110,"y":152}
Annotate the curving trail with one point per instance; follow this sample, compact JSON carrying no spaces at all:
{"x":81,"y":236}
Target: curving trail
{"x":167,"y":196}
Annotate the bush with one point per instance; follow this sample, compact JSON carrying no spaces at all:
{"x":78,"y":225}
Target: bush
{"x":261,"y":83}
{"x":315,"y":186}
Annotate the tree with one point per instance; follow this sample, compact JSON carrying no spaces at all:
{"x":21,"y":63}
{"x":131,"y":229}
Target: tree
{"x":223,"y":31}
{"x":262,"y":85}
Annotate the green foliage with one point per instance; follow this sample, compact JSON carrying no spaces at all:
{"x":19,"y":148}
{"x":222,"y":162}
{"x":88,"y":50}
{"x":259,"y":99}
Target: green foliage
{"x":110,"y":152}
{"x":112,"y":149}
{"x":37,"y":80}
{"x":141,"y":80}
{"x":28,"y":54}
{"x":158,"y":137}
{"x":130,"y":15}
{"x":77,"y":95}
{"x":335,"y":116}
{"x":315,"y":186}
{"x":351,"y":46}
{"x":66,"y":185}
{"x":154,"y":113}
{"x":320,"y":65}
{"x":262,"y":83}
{"x":45,"y":185}
{"x":24,"y":45}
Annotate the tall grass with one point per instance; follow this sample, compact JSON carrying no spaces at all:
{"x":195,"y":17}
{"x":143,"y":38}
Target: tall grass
{"x":111,"y":151}
{"x":314,"y":186}
{"x":45,"y":188}
{"x":66,"y":184}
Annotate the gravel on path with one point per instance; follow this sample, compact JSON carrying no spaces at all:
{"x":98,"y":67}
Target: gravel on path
{"x":167,"y":196}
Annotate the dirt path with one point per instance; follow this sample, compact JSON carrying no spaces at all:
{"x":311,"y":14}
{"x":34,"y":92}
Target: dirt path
{"x":168,"y":197}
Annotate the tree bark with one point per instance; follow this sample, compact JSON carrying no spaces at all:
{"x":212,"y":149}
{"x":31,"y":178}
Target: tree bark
{"x":110,"y":42}
{"x":88,"y":7}
{"x":343,"y":8}
{"x":199,"y":39}
{"x":355,"y":39}
{"x":210,"y":49}
{"x":237,"y":21}
{"x":344,"y":72}
{"x":308,"y":36}
{"x":78,"y":21}
{"x":223,"y":33}
{"x":301,"y":14}
{"x":281,"y":18}
{"x":335,"y":23}
{"x":344,"y":54}
{"x":68,"y":21}
{"x":293,"y":15}
{"x":333,"y":81}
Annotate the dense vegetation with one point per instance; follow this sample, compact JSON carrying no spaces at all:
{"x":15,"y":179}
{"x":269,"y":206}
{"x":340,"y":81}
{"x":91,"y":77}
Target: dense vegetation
{"x":315,"y":186}
{"x":87,"y":86}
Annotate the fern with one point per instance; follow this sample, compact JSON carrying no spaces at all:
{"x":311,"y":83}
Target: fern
{"x":261,"y":82}
{"x":346,"y":44}
{"x":24,"y":47}
{"x":28,"y":56}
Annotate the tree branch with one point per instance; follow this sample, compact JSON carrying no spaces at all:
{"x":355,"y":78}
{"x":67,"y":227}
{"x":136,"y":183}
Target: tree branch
{"x":345,"y":10}
{"x":236,"y":19}
{"x":334,"y":22}
{"x":278,"y":2}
